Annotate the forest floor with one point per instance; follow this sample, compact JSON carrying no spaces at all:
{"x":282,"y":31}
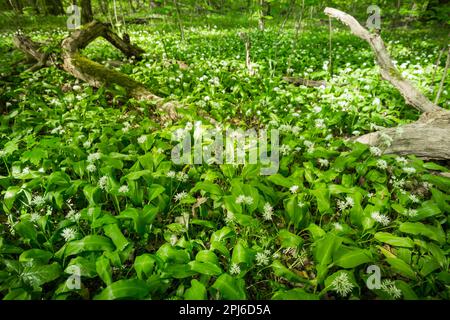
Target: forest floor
{"x":88,"y":183}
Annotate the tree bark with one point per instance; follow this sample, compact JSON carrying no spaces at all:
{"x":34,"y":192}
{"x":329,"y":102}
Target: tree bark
{"x":426,"y":138}
{"x":53,"y":7}
{"x":86,"y":11}
{"x":92,"y":72}
{"x":388,"y":70}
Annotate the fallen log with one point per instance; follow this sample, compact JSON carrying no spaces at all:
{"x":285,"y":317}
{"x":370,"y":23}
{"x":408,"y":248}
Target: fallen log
{"x":92,"y":72}
{"x":427,"y":138}
{"x":305,"y":82}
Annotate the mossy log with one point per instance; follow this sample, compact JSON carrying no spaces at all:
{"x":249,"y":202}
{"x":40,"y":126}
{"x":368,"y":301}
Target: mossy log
{"x":95,"y":74}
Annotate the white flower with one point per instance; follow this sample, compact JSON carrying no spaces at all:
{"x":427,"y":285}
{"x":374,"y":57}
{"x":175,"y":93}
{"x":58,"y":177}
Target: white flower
{"x":124,"y":189}
{"x":229,"y":217}
{"x":262,"y":259}
{"x":390,"y":288}
{"x":319,"y":123}
{"x":411,"y":213}
{"x":301,"y":204}
{"x":235,"y":269}
{"x":103,"y":182}
{"x":26,"y":170}
{"x":73,"y":216}
{"x":171,"y":174}
{"x":293,"y":189}
{"x":414,"y":198}
{"x":380,"y":218}
{"x":285,"y":149}
{"x":76,"y":88}
{"x":348,"y":203}
{"x":338,"y":226}
{"x":94,"y":156}
{"x":142,"y":139}
{"x":401,"y":160}
{"x":323,"y":162}
{"x":173,"y":240}
{"x":342,"y":285}
{"x":317,"y":109}
{"x":268,"y":212}
{"x":91,"y":168}
{"x":376,"y":101}
{"x":36,"y":201}
{"x":206,"y":98}
{"x":182,"y":177}
{"x":180,"y":196}
{"x":34,"y":217}
{"x":245,"y":200}
{"x":68,"y":234}
{"x":409,"y":170}
{"x":375,"y":151}
{"x":381,"y":164}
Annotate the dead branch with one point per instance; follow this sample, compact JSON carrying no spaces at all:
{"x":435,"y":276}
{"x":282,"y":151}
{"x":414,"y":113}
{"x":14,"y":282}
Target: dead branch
{"x":387,"y":68}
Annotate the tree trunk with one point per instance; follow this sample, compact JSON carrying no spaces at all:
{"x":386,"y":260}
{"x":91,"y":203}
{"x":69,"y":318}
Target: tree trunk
{"x":428,"y":137}
{"x":53,"y":7}
{"x":86,"y":11}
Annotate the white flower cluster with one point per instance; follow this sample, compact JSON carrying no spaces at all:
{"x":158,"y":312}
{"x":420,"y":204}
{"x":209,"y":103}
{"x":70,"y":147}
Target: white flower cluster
{"x":390,"y":288}
{"x":180,"y":196}
{"x":235,"y":269}
{"x":380,"y":218}
{"x":242,"y":199}
{"x":348,"y":203}
{"x":262,"y":258}
{"x":267,"y":212}
{"x":342,"y":285}
{"x":68,"y":234}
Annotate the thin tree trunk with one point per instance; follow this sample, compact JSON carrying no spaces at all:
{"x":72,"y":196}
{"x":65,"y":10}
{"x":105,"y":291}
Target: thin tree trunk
{"x":444,"y":76}
{"x":86,"y":11}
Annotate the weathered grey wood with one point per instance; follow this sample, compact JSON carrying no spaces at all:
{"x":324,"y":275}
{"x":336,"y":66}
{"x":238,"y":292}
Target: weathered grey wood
{"x":387,"y":68}
{"x":428,"y":138}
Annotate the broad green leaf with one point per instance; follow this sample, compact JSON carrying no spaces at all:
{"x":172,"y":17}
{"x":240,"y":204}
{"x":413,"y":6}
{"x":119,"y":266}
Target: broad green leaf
{"x":394,"y":240}
{"x":434,"y":233}
{"x":352,"y":257}
{"x":197,"y":291}
{"x":294,"y":294}
{"x":125,"y":289}
{"x":230,"y":288}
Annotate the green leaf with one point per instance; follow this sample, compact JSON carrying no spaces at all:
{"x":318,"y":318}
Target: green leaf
{"x":154,"y":191}
{"x":36,"y":276}
{"x":351,"y":258}
{"x":113,"y":232}
{"x":144,"y":265}
{"x":125,"y":289}
{"x":289,"y":240}
{"x":36,"y":255}
{"x":401,"y":267}
{"x":208,"y":187}
{"x":434,"y":233}
{"x":294,"y":294}
{"x":26,"y":230}
{"x":88,"y":243}
{"x":394,"y":240}
{"x":207,"y":268}
{"x":230,"y":288}
{"x":10,"y":196}
{"x":172,"y":255}
{"x":281,"y":271}
{"x":197,"y":291}
{"x":103,"y":268}
{"x":322,"y":195}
